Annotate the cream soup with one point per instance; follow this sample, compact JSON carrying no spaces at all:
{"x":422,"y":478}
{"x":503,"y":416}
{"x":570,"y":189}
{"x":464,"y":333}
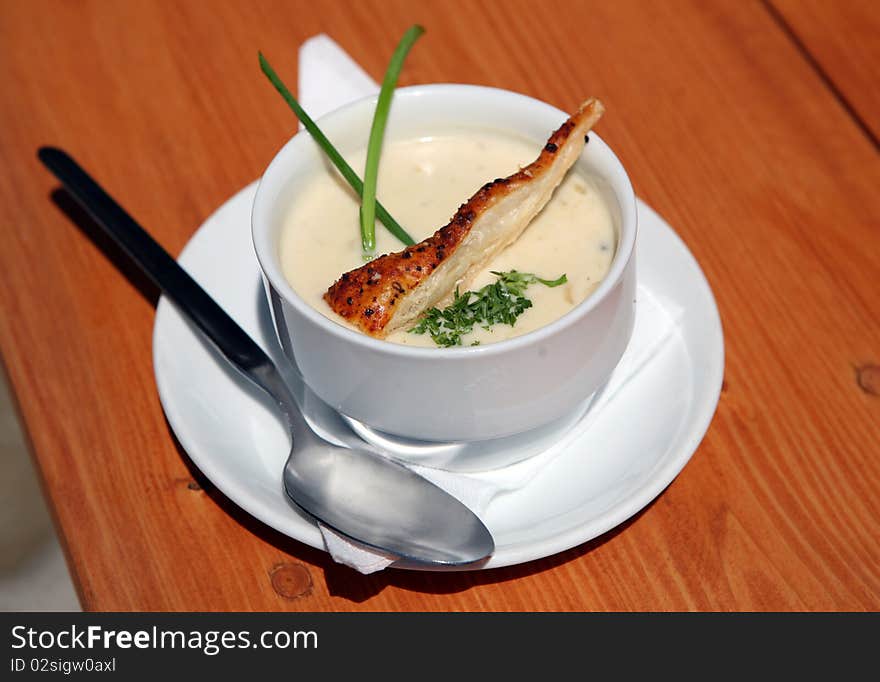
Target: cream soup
{"x":422,"y":182}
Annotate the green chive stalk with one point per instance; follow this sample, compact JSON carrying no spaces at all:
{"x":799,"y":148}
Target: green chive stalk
{"x":377,"y":134}
{"x":341,"y":164}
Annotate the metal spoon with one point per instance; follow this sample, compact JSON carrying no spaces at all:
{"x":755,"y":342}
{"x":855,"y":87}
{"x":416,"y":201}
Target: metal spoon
{"x":356,"y":492}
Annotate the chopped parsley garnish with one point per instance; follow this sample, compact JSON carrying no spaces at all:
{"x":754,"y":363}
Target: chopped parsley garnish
{"x":498,"y":303}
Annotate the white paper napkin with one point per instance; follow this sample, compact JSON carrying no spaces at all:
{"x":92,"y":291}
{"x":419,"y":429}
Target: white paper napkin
{"x":328,"y":79}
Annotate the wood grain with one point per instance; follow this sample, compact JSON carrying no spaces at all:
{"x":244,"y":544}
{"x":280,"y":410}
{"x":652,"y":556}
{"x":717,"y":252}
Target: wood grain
{"x":842,"y":38}
{"x":725,"y":128}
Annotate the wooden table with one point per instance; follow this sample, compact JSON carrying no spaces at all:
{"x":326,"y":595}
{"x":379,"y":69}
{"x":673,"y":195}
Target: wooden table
{"x":752,"y":127}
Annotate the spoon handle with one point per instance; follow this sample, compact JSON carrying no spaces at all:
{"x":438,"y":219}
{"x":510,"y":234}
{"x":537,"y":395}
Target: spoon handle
{"x":230,"y":339}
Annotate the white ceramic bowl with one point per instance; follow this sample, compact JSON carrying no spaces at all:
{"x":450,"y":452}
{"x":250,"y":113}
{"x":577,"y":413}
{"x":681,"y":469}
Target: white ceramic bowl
{"x":450,"y":394}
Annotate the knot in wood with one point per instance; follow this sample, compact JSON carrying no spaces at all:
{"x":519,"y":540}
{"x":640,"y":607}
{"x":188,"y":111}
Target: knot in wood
{"x":290,"y":580}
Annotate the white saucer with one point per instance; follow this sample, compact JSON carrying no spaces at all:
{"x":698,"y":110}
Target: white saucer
{"x":607,"y":474}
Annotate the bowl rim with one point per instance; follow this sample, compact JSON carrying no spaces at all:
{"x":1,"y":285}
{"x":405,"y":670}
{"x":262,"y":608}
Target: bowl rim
{"x":271,"y":267}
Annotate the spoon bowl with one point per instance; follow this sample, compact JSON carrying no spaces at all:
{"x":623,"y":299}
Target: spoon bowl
{"x":405,"y":520}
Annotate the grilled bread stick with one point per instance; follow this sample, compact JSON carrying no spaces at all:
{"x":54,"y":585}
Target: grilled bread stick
{"x":393,"y":290}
